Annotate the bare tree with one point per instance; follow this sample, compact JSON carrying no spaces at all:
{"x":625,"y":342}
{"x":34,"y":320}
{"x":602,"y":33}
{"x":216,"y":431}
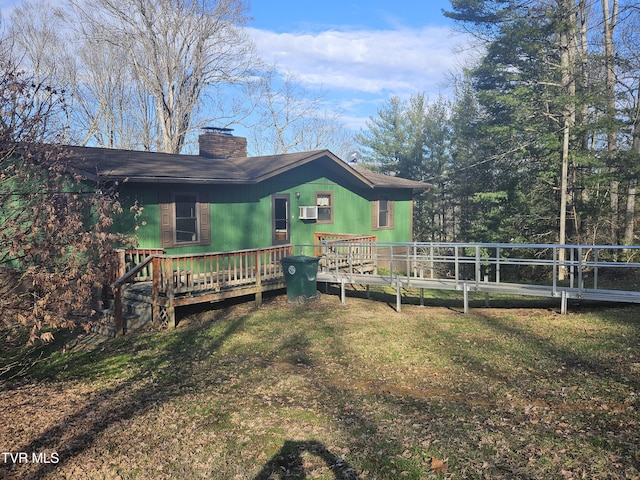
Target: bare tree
{"x":628,"y":79}
{"x":111,"y":108}
{"x":38,"y":40}
{"x":291,"y":118}
{"x":177,"y":48}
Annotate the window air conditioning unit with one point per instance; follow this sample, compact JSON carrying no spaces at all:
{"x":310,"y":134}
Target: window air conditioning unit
{"x":308,"y":213}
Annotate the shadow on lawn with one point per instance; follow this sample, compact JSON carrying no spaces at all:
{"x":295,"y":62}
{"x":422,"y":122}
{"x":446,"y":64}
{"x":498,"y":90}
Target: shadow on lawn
{"x":585,"y":392}
{"x":373,"y":436}
{"x":287,"y":463}
{"x":71,"y":436}
{"x":567,"y":362}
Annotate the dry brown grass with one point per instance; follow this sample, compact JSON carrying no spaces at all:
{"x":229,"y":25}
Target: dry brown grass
{"x":336,"y":391}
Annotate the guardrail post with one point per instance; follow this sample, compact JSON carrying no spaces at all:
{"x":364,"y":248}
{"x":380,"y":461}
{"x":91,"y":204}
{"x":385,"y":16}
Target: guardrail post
{"x":555,"y":272}
{"x":456,"y":259}
{"x":572,"y":268}
{"x":477,"y":265}
{"x":486,"y":294}
{"x":398,"y":294}
{"x":595,"y":269}
{"x":580,"y":279}
{"x":374,"y":252}
{"x":465,"y":297}
{"x":563,"y":303}
{"x":431,"y":260}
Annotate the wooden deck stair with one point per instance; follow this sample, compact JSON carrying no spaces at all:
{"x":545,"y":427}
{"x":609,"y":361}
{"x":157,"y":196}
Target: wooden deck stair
{"x":137,"y":314}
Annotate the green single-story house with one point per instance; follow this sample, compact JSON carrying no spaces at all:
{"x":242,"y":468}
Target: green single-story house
{"x":223,"y":200}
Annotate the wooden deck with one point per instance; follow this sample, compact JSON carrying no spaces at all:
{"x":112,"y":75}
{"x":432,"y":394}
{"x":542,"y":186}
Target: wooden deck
{"x":165,"y":282}
{"x":170,"y":281}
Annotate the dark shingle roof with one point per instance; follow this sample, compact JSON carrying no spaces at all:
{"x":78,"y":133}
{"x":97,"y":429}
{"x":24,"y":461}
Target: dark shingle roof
{"x":137,"y":166}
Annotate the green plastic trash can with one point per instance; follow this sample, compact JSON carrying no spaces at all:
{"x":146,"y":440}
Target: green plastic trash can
{"x":300,"y":274}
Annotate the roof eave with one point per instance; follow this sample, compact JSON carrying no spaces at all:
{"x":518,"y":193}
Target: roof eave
{"x":311,"y":158}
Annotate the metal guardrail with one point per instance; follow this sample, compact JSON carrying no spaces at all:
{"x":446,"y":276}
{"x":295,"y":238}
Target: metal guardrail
{"x":554,"y":270}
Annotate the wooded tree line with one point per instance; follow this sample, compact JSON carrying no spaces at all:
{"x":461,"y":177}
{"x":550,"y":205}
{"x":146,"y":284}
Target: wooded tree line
{"x":541,"y":141}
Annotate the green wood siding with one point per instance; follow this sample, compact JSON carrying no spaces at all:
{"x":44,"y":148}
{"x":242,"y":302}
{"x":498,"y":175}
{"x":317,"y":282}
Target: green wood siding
{"x":241,"y":215}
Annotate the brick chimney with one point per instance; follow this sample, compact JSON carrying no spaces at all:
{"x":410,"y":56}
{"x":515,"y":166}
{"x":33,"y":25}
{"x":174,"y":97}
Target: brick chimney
{"x":219,"y":143}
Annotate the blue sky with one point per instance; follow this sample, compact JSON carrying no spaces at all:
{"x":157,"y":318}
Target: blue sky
{"x":359,"y":53}
{"x":290,"y":15}
{"x":356,"y":53}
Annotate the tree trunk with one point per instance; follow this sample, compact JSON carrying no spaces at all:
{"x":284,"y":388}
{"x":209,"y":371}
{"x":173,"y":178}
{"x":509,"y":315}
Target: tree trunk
{"x":631,"y":212}
{"x":567,"y":64}
{"x":609,"y":19}
{"x":630,"y":217}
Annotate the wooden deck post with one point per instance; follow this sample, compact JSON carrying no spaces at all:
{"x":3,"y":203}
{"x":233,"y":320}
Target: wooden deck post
{"x":117,"y":311}
{"x":258,"y":266}
{"x":122,"y":265}
{"x":167,"y":268}
{"x":155,"y":288}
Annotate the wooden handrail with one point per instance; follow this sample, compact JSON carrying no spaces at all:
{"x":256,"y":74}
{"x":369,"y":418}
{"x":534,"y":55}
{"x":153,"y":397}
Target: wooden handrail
{"x":199,"y":273}
{"x":127,"y":277}
{"x":116,"y":288}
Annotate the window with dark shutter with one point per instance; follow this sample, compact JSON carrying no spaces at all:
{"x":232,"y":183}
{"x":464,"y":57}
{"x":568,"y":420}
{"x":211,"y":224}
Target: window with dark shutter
{"x":184,"y":219}
{"x":187,"y":227}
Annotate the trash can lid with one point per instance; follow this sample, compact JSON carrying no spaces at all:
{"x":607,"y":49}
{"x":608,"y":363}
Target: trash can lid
{"x":301,"y":259}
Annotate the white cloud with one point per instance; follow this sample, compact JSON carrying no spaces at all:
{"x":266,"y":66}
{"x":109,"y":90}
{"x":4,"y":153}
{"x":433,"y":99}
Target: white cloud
{"x":373,"y":61}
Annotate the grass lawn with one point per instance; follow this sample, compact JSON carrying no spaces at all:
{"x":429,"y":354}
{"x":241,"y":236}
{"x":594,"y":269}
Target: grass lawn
{"x":333,"y":391}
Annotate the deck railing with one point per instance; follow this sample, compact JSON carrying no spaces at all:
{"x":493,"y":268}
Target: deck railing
{"x":589,"y":272}
{"x":584,"y":271}
{"x":339,"y":251}
{"x":129,"y":258}
{"x":193,"y":274}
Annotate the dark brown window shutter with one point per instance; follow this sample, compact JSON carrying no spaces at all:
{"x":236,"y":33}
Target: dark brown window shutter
{"x":374,"y":214}
{"x":205,"y":219}
{"x":166,"y":220}
{"x":390,"y":213}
